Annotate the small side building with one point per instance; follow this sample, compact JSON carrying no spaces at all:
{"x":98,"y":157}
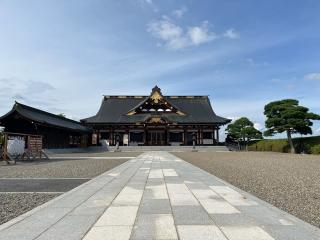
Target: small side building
{"x":57,"y":131}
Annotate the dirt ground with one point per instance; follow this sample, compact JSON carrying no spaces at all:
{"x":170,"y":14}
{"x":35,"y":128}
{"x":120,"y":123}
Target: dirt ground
{"x":289,"y":182}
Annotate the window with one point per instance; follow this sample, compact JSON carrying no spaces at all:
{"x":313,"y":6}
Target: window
{"x":207,"y":135}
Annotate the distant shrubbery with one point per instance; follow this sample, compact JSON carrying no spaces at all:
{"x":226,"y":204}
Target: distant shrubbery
{"x":315,"y":149}
{"x":302,"y":145}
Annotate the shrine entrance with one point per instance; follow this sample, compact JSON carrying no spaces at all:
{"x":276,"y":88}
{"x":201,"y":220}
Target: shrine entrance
{"x":156,"y":138}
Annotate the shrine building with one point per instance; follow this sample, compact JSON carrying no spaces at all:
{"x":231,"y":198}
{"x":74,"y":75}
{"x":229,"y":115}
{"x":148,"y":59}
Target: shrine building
{"x":155,"y":120}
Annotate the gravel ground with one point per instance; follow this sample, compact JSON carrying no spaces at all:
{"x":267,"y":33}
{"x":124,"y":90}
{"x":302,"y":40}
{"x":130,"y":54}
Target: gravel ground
{"x":289,"y":182}
{"x":15,"y":204}
{"x":70,"y":168}
{"x":98,"y":154}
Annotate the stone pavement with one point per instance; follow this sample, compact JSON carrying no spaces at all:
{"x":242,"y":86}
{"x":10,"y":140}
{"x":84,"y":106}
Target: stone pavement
{"x":157,"y":196}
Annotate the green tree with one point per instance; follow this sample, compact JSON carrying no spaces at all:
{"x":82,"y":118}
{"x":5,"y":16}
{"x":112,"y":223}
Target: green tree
{"x":61,"y":115}
{"x":242,"y":131}
{"x":288,"y":116}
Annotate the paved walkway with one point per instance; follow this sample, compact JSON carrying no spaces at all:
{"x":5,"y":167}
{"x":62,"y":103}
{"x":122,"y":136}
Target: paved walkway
{"x":157,"y":196}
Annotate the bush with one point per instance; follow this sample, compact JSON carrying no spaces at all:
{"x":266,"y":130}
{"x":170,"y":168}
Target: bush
{"x":302,"y":145}
{"x":278,"y":145}
{"x":315,"y":149}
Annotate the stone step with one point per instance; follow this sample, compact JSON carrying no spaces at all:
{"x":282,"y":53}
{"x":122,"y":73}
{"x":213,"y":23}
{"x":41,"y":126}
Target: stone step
{"x":168,"y":148}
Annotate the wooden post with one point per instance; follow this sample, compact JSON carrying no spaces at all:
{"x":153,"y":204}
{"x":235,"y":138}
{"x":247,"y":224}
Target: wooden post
{"x":213,"y":136}
{"x":5,"y":150}
{"x":218,"y":135}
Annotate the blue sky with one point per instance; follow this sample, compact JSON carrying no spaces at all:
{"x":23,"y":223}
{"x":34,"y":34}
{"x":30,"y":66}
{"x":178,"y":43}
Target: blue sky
{"x":62,"y":56}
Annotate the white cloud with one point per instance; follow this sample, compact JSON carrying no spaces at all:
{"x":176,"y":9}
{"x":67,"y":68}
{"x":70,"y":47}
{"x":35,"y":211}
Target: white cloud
{"x":312,"y":76}
{"x":175,"y":37}
{"x":258,"y":126}
{"x":231,"y":33}
{"x":234,"y":118}
{"x":201,"y":34}
{"x":179,"y":12}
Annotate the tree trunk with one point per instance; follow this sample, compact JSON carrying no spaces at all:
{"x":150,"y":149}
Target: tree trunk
{"x":292,"y":150}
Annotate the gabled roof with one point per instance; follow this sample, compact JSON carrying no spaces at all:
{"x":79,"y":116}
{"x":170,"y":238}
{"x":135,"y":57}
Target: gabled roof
{"x":115,"y":109}
{"x":45,"y":118}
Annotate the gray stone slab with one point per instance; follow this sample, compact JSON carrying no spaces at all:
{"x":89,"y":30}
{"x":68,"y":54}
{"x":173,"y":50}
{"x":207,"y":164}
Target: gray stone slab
{"x":191,"y":215}
{"x":291,"y":233}
{"x":236,"y":219}
{"x":109,"y":232}
{"x":154,"y":226}
{"x":70,"y":227}
{"x":39,"y":185}
{"x":155,"y":206}
{"x":30,"y":227}
{"x":266,"y":216}
{"x":200,"y":232}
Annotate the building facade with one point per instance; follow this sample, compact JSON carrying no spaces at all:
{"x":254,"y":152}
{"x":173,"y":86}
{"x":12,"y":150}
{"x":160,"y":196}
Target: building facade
{"x":57,"y":131}
{"x":155,"y":120}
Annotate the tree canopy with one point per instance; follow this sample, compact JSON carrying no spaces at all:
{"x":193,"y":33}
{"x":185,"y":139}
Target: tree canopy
{"x":242,"y":130}
{"x":288,"y":116}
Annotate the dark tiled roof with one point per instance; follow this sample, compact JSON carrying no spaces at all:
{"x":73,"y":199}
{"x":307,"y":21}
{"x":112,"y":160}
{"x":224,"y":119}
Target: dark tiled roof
{"x":45,"y":118}
{"x":114,"y":109}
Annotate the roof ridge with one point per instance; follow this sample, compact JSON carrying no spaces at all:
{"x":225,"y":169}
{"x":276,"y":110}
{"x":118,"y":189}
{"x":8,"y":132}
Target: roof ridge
{"x":45,"y":112}
{"x":166,"y":96}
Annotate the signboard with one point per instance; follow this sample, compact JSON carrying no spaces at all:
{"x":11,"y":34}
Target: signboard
{"x":15,"y":145}
{"x":35,"y":144}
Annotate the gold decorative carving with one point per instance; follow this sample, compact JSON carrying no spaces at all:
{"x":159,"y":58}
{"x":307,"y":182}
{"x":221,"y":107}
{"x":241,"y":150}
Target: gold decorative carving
{"x":156,"y":97}
{"x":155,"y":120}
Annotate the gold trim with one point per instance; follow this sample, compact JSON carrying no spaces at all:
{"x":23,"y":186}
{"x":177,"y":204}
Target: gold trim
{"x":131,"y":113}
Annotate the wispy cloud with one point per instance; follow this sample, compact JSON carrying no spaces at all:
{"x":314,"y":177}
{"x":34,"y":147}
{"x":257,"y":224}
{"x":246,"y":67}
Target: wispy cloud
{"x":254,"y":63}
{"x":149,"y":4}
{"x":179,"y":12}
{"x":312,"y":76}
{"x":231,"y":33}
{"x":27,"y":91}
{"x":176,"y":37}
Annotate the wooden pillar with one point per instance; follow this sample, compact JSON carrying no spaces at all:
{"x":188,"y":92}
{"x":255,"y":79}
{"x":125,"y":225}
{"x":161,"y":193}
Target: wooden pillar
{"x":145,"y":136}
{"x":213,"y":135}
{"x":98,"y":137}
{"x":5,"y":150}
{"x":201,"y":131}
{"x":185,"y":136}
{"x":198,"y":136}
{"x":218,"y":134}
{"x":128,"y":134}
{"x":111,"y":137}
